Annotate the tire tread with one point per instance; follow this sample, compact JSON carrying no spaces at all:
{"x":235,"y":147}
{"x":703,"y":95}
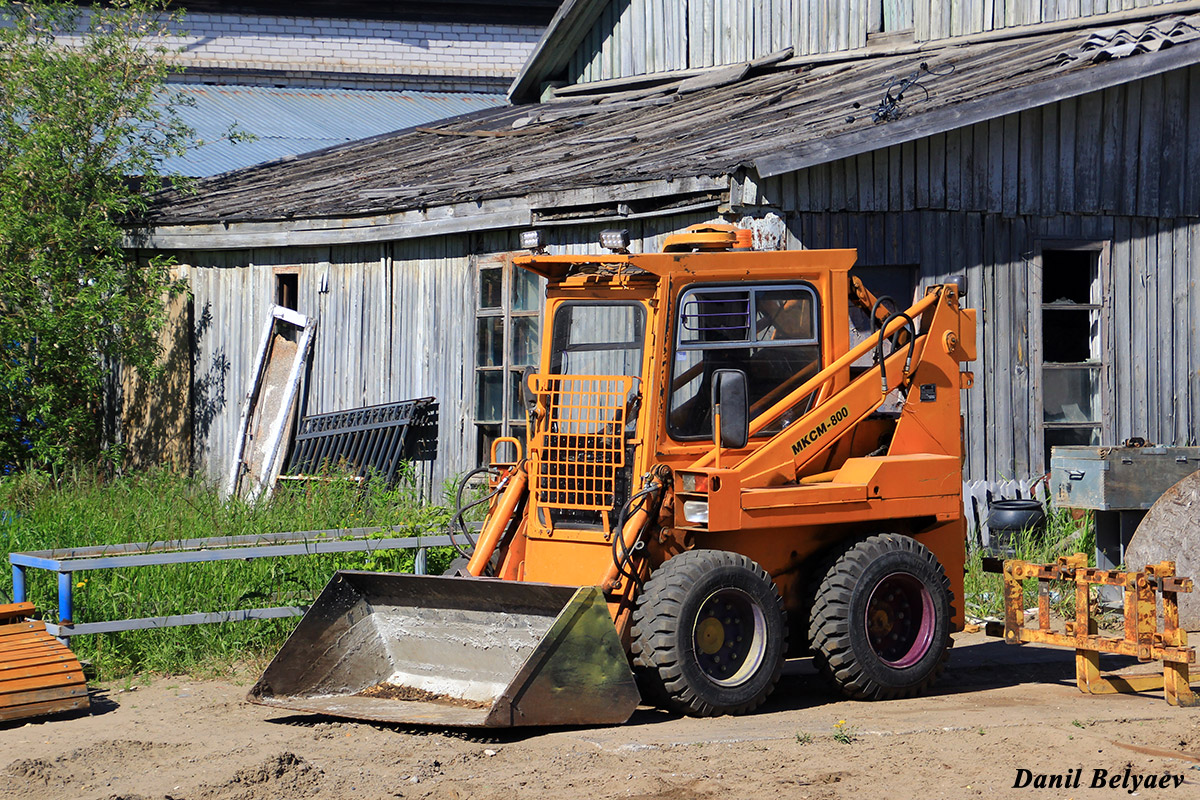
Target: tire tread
{"x":830,"y":619}
{"x":656,"y":621}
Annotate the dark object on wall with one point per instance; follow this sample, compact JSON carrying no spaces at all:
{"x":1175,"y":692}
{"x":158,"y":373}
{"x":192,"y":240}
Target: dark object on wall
{"x":375,"y":440}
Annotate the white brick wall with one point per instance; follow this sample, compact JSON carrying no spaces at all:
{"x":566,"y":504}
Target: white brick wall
{"x":443,"y":54}
{"x":292,"y":43}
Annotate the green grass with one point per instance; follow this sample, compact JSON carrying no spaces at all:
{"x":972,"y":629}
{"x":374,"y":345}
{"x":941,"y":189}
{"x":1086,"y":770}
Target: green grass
{"x":1063,"y":536}
{"x":160,"y":506}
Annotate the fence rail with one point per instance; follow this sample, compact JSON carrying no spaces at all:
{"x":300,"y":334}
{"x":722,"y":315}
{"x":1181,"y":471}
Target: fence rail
{"x":65,"y":562}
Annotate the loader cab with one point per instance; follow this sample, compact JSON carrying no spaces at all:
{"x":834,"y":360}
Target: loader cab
{"x":770,"y":331}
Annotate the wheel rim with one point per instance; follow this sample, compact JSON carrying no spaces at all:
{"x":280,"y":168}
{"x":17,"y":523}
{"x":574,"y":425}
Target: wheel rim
{"x":900,"y":620}
{"x":729,"y":638}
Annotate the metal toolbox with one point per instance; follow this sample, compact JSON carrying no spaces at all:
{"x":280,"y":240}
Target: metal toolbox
{"x":1117,"y":478}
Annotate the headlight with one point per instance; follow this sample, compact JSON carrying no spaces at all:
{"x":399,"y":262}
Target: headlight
{"x":695,"y":511}
{"x":615,"y":240}
{"x":533,"y":240}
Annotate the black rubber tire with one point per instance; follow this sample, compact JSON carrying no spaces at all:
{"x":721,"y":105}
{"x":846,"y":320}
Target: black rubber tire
{"x":457,"y":568}
{"x":681,"y":648}
{"x":897,"y":584}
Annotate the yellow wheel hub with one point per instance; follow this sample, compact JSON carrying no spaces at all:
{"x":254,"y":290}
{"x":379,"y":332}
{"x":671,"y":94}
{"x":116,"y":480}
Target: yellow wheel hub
{"x":710,"y":636}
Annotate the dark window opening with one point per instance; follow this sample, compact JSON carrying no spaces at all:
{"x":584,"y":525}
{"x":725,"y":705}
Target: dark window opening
{"x":1068,"y":276}
{"x":287,"y":290}
{"x":1072,"y":353}
{"x":1066,"y":336}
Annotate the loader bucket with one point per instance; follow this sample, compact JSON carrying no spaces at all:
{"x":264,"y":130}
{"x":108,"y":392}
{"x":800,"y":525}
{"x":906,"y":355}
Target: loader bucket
{"x":453,"y":652}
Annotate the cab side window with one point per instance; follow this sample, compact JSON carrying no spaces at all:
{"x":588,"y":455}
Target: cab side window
{"x":770,"y":332}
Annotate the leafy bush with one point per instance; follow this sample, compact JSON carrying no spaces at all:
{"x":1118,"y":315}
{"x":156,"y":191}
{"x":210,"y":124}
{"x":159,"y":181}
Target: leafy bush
{"x":84,"y":125}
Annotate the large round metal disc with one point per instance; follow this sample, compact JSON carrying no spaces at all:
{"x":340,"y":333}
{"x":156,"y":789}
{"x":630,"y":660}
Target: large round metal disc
{"x":1170,"y":531}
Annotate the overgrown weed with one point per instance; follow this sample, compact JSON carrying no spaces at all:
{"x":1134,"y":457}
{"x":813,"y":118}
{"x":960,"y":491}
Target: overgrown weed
{"x":1064,"y":535}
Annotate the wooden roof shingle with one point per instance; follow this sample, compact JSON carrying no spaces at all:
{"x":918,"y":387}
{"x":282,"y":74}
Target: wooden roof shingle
{"x":773,"y":119}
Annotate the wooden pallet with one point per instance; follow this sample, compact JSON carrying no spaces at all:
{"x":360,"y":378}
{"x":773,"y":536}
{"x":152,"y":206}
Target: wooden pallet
{"x":39,"y":675}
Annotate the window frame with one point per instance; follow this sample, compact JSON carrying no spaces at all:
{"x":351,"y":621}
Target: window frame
{"x":512,"y":420}
{"x":1100,"y":361}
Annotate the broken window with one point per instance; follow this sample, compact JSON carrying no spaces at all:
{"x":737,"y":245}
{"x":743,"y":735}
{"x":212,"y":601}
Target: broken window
{"x":769,"y":332}
{"x":287,"y":290}
{"x":507,"y":335}
{"x":1072,"y":349}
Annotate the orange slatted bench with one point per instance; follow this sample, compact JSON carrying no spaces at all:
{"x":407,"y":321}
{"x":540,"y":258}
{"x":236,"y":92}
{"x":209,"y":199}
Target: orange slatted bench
{"x":39,"y":675}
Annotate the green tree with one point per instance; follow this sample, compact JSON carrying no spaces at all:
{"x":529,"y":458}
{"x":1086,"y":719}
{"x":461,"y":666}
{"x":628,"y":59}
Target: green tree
{"x":85,"y":122}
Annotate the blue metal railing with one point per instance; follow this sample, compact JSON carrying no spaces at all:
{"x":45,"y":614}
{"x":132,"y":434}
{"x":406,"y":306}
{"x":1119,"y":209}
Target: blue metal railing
{"x":65,"y":562}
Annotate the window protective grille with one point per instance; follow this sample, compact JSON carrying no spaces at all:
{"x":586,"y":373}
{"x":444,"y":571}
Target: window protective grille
{"x":579,"y":449}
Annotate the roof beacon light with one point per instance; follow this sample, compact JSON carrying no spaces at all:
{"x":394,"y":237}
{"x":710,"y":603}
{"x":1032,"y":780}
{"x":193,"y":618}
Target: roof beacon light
{"x":534,"y":240}
{"x":615,"y":240}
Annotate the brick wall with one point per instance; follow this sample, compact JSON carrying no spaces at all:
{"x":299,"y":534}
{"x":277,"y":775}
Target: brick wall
{"x":352,"y":53}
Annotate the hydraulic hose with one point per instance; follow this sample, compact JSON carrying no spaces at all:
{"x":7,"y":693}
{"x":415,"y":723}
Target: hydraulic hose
{"x":460,"y":510}
{"x":621,"y":553}
{"x":879,"y":301}
{"x":624,"y":546}
{"x":911,"y":327}
{"x":512,"y":490}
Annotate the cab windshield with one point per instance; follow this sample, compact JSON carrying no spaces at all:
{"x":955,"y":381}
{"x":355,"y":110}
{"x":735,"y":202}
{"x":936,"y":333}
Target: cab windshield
{"x":598,"y":339}
{"x":769,"y":332}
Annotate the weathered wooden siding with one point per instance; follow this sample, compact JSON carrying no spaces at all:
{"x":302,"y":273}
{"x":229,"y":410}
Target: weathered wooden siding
{"x":390,"y":327}
{"x":1131,"y":150}
{"x":939,"y":19}
{"x":1154,"y":267}
{"x":637,"y":37}
{"x":230,"y":300}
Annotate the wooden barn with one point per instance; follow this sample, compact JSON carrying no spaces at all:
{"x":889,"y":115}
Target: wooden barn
{"x":1049,"y":151}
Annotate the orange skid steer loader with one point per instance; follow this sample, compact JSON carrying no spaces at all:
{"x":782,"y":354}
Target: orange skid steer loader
{"x":714,"y":477}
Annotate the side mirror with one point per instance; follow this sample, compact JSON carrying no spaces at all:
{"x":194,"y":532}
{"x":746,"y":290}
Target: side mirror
{"x":731,"y":409}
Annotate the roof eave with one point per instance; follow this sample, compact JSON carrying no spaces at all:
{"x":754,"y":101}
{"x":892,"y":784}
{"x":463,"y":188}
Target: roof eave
{"x":497,"y":214}
{"x":562,"y":36}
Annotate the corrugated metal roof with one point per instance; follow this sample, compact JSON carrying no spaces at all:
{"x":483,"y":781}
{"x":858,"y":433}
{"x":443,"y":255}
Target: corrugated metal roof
{"x":288,"y":122}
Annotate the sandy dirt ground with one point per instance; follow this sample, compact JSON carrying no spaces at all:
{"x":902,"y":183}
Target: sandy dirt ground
{"x":1000,"y":710}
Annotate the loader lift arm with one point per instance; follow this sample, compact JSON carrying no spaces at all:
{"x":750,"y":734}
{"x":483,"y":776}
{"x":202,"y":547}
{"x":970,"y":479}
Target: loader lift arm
{"x":938,"y":333}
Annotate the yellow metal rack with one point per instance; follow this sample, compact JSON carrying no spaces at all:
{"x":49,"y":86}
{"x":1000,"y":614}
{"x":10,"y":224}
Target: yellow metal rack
{"x":1143,"y":638}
